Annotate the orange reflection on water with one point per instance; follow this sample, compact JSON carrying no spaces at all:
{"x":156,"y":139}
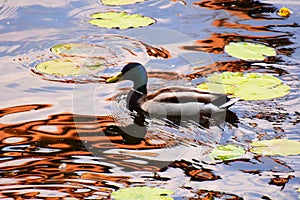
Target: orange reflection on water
{"x":48,"y":154}
{"x":233,"y":66}
{"x":22,"y":108}
{"x":244,"y":9}
{"x":248,"y":27}
{"x":216,"y":43}
{"x":243,"y":18}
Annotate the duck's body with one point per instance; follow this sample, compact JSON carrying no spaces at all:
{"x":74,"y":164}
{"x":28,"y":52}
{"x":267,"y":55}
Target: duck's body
{"x":178,"y":101}
{"x":170,"y":101}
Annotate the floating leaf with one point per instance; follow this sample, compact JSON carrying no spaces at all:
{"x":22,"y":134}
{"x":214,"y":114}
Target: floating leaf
{"x":82,"y":50}
{"x":120,"y":20}
{"x":250,"y":91}
{"x":249,"y":51}
{"x":250,"y":86}
{"x":237,"y":78}
{"x":68,"y":67}
{"x":227,"y":152}
{"x":144,"y":193}
{"x":120,"y":2}
{"x":281,"y":147}
{"x":284,"y":12}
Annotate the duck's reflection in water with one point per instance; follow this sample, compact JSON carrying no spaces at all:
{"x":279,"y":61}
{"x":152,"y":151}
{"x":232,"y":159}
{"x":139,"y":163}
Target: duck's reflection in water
{"x":135,"y":132}
{"x":68,"y":135}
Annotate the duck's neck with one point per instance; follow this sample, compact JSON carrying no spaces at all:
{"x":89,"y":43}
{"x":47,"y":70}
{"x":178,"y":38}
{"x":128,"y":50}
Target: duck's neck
{"x":141,"y":89}
{"x":135,"y":96}
{"x":140,"y":82}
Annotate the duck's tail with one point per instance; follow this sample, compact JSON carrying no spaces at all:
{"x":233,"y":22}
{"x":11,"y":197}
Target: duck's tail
{"x":230,"y":103}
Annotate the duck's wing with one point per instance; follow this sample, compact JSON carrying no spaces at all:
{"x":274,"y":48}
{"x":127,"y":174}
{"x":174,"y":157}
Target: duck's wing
{"x":185,"y":95}
{"x":229,"y":103}
{"x":185,"y":101}
{"x":185,"y":89}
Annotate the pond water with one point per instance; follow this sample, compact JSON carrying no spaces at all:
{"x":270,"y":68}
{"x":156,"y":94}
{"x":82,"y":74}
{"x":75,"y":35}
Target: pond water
{"x":57,"y":134}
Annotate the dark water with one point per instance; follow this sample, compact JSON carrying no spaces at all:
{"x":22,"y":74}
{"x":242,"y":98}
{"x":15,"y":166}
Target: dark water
{"x":57,"y":137}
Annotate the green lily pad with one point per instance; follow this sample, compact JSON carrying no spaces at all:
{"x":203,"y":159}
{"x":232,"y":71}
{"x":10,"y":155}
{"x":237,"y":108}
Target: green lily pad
{"x":249,"y":51}
{"x":250,"y":86}
{"x":144,"y":193}
{"x":68,"y":67}
{"x":120,"y":20}
{"x":227,"y":152}
{"x":237,"y":78}
{"x":120,"y":2}
{"x":281,"y":147}
{"x":249,"y":91}
{"x":81,"y":50}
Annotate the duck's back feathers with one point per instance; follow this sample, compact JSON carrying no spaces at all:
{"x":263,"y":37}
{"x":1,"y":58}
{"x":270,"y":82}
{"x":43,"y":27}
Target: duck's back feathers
{"x":177,"y":101}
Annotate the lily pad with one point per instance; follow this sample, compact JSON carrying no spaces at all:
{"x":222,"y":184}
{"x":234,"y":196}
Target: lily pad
{"x":68,"y":67}
{"x":227,"y":152}
{"x":281,"y":147}
{"x":120,"y":2}
{"x":249,"y":91}
{"x":145,"y":193}
{"x":82,"y":50}
{"x":250,"y":86}
{"x":249,"y":51}
{"x":120,"y":20}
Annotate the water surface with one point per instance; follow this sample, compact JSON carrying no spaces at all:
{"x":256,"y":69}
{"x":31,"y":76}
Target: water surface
{"x":55,"y":138}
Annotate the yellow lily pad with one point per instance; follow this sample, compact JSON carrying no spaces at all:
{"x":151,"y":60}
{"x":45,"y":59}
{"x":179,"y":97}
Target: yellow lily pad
{"x":250,"y":86}
{"x":249,"y":51}
{"x":68,"y":67}
{"x":120,"y":2}
{"x":81,"y":50}
{"x":120,"y":20}
{"x":144,"y":193}
{"x":250,"y":91}
{"x":281,"y":147}
{"x":227,"y":152}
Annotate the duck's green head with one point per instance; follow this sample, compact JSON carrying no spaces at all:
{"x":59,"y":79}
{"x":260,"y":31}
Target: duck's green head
{"x":135,"y":72}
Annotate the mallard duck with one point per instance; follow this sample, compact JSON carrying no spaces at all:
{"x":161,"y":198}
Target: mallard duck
{"x":169,"y":101}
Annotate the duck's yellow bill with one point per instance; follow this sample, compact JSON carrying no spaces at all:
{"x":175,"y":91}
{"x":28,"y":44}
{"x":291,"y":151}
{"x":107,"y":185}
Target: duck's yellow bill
{"x":115,"y":78}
